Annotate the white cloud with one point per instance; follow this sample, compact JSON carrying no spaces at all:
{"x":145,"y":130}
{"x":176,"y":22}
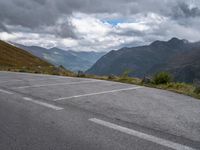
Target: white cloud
{"x":89,"y":26}
{"x":7,"y":36}
{"x":94,"y":32}
{"x":68,"y":42}
{"x":133,"y":26}
{"x":97,"y":24}
{"x":98,"y":35}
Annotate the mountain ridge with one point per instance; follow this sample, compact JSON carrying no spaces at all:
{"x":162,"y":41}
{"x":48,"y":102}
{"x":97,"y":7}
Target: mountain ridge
{"x":71,"y":60}
{"x":147,"y":60}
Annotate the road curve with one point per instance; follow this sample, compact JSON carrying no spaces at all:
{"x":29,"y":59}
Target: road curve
{"x":64,"y":113}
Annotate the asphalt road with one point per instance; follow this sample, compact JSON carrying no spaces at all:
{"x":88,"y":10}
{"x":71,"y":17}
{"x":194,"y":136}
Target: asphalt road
{"x":43,"y":112}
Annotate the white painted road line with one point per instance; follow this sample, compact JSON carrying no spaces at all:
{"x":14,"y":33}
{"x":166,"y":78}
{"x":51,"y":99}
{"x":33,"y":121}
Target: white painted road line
{"x":15,"y":80}
{"x":141,"y":135}
{"x":43,"y":104}
{"x":4,"y":91}
{"x":91,"y":94}
{"x":43,"y":85}
{"x":27,"y":80}
{"x":41,"y":79}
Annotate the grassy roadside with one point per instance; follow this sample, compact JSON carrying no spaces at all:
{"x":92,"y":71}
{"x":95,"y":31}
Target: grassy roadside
{"x":50,"y":70}
{"x":181,"y":88}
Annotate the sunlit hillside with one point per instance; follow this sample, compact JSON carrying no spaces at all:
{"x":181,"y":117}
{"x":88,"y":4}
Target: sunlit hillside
{"x":15,"y":59}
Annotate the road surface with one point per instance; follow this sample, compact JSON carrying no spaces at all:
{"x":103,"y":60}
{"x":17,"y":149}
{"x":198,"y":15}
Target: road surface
{"x":43,"y":112}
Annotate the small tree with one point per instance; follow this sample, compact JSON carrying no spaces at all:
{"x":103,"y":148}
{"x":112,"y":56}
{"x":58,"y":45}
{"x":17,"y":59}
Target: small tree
{"x":162,"y":78}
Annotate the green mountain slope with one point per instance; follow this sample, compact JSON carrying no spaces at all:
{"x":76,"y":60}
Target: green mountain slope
{"x":16,"y":59}
{"x":185,"y":66}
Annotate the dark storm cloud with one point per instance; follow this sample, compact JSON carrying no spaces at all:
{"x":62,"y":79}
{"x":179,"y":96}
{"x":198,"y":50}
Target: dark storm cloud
{"x":3,"y":28}
{"x":29,"y":14}
{"x":41,"y":2}
{"x":183,"y":10}
{"x":34,"y":13}
{"x":64,"y":30}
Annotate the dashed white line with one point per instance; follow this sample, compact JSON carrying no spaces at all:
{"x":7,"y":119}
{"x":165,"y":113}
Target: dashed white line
{"x":43,"y":103}
{"x":27,"y":80}
{"x":98,"y":93}
{"x":41,"y":79}
{"x":141,"y":135}
{"x":11,"y":81}
{"x":43,"y":85}
{"x":4,"y":91}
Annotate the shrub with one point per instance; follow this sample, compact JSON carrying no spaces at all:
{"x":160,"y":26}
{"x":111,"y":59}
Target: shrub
{"x":36,"y":72}
{"x":146,"y":80}
{"x":111,"y":77}
{"x":197,"y":90}
{"x":196,"y":84}
{"x":22,"y":70}
{"x":81,"y":74}
{"x":162,"y":78}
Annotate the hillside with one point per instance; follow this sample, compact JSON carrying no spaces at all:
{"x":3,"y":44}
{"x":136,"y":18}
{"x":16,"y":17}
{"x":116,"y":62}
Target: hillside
{"x":16,"y":59}
{"x":185,"y":66}
{"x":72,"y":60}
{"x":176,"y":56}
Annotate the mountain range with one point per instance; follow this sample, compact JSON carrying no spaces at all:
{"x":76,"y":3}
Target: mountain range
{"x":69,"y":59}
{"x":179,"y":57}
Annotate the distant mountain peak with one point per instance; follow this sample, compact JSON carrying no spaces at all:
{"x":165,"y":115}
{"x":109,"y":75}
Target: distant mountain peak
{"x":156,"y":43}
{"x":175,"y":40}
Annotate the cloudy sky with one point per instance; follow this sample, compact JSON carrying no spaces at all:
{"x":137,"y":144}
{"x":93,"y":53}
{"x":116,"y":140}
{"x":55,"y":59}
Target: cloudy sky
{"x":98,"y":25}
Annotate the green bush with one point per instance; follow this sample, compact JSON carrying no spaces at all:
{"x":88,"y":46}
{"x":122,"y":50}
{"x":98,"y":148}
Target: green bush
{"x":162,"y":78}
{"x":197,"y":90}
{"x":111,"y":77}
